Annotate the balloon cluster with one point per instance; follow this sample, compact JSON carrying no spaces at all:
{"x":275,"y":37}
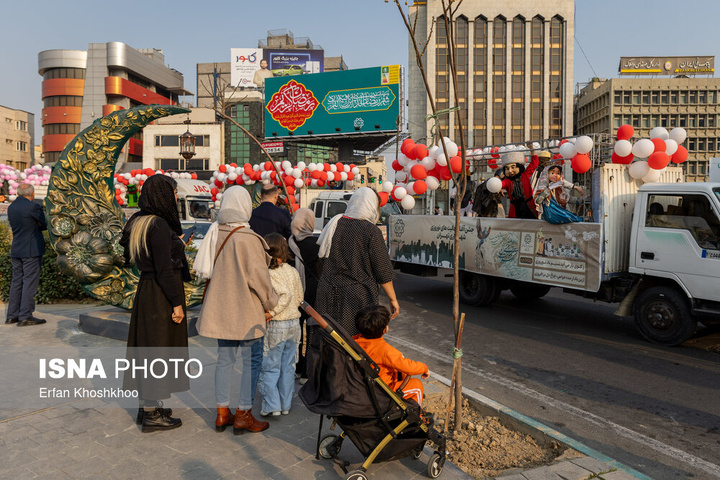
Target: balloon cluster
{"x":313,"y":175}
{"x":37,"y":175}
{"x":652,"y":155}
{"x":420,"y":168}
{"x":134,"y":181}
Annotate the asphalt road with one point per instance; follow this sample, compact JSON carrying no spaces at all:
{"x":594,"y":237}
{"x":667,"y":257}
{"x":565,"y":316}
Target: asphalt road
{"x":568,"y":363}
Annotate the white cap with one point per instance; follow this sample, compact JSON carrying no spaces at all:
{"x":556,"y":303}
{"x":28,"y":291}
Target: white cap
{"x":513,"y":157}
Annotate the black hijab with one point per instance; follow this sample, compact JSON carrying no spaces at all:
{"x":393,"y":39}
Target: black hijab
{"x":158,"y":198}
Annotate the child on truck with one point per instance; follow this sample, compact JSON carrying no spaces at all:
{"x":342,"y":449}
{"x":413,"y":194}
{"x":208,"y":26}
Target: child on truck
{"x":372,"y":323}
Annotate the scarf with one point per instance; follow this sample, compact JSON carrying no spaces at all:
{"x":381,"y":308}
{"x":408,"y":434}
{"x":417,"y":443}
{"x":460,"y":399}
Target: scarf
{"x":235,"y":210}
{"x":363,"y":205}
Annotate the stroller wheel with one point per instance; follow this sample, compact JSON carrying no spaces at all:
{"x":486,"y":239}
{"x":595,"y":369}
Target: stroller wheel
{"x":329,"y":446}
{"x":418,"y":451}
{"x":356,"y":475}
{"x":435,"y":465}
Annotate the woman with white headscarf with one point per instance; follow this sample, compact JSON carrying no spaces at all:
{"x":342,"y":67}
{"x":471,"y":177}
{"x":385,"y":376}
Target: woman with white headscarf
{"x":238,"y":295}
{"x":356,"y":262}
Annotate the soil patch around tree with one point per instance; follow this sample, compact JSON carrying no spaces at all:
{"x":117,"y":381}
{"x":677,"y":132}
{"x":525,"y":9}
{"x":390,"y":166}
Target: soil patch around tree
{"x":484,"y":447}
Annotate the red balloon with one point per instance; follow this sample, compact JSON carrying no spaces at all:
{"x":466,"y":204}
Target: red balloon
{"x":659,"y":144}
{"x":320,"y":183}
{"x":383,"y":198}
{"x":295,"y":206}
{"x":658,"y":160}
{"x":326,"y":167}
{"x":492,"y":163}
{"x":222,"y":168}
{"x":396,"y":166}
{"x":680,"y":155}
{"x":214,"y":191}
{"x":420,"y":151}
{"x":434,"y":173}
{"x":494,"y":151}
{"x":324,"y":176}
{"x":268,"y":166}
{"x":239,"y":181}
{"x":193,"y":176}
{"x":581,"y":163}
{"x":625,"y":132}
{"x":420,"y":187}
{"x":444,"y":172}
{"x":292,"y":197}
{"x":351,"y":176}
{"x":456,"y":164}
{"x":230,"y":182}
{"x":248,"y":169}
{"x":273,"y":175}
{"x":289,"y":179}
{"x":120,"y":201}
{"x":218,"y":183}
{"x":290,"y":189}
{"x":622,"y":160}
{"x":407,"y":143}
{"x":316,"y":174}
{"x":234,"y":165}
{"x":418,"y":172}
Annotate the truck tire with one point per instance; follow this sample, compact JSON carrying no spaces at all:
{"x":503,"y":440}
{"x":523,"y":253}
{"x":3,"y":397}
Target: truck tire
{"x":477,"y":290}
{"x":662,"y":315}
{"x":529,"y":291}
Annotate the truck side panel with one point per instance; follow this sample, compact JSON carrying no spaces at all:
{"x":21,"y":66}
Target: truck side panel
{"x":525,"y":250}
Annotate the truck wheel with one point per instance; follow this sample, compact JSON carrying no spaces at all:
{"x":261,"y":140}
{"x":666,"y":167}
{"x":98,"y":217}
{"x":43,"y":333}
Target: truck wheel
{"x":477,"y":290}
{"x":529,"y":291}
{"x":662,"y":315}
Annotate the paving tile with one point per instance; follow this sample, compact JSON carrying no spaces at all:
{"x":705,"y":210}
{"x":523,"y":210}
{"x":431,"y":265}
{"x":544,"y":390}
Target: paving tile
{"x":592,"y":464}
{"x":617,"y":475}
{"x":542,"y":473}
{"x":570,"y":471}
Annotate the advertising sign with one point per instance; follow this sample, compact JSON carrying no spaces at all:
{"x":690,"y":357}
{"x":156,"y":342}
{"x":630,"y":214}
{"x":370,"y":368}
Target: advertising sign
{"x":283,"y":63}
{"x":243,"y":64}
{"x":274,"y":147}
{"x":331,"y":103}
{"x":667,"y":65}
{"x":526,"y":250}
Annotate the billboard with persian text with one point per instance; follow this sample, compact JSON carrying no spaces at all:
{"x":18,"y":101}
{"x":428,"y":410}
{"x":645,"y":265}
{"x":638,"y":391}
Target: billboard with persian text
{"x":333,"y":103}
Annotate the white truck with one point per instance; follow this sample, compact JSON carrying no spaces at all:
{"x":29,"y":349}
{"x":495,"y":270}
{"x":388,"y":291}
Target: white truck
{"x":654,"y":248}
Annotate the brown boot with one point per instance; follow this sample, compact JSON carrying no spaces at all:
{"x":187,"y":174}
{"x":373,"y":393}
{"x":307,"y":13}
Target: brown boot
{"x":244,"y":420}
{"x":224,"y":419}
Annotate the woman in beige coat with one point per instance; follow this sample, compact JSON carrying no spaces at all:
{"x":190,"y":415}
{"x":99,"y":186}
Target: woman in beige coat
{"x":235,"y":303}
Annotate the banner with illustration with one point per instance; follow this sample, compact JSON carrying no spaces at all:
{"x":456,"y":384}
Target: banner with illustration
{"x":527,"y":250}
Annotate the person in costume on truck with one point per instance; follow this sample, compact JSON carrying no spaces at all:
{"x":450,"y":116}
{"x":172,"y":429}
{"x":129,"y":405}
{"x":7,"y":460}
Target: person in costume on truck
{"x":517,"y":183}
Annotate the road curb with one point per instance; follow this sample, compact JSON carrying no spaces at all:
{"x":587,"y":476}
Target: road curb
{"x":517,"y":417}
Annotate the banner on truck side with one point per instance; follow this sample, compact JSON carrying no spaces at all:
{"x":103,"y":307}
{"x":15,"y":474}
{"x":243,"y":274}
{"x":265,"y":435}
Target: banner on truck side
{"x":527,"y":250}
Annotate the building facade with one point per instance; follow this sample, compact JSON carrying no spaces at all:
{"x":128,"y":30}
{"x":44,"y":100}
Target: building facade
{"x":17,"y":131}
{"x":161,"y":143}
{"x":81,"y":86}
{"x":515,"y":70}
{"x":691,"y":103}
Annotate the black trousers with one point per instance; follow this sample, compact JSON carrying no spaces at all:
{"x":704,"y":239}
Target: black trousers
{"x":24,"y":286}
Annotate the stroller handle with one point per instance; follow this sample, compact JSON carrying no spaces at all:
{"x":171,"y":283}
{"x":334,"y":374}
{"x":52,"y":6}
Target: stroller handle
{"x":315,"y":315}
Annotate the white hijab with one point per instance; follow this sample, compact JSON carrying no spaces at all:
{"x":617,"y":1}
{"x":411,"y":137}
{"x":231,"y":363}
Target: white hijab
{"x":363,"y":205}
{"x":235,"y":211}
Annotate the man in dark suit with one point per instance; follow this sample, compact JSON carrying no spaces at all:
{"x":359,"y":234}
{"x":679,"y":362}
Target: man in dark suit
{"x":27,"y":220}
{"x":268,"y":218}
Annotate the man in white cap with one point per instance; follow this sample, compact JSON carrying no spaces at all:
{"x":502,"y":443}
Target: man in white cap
{"x":517,"y":183}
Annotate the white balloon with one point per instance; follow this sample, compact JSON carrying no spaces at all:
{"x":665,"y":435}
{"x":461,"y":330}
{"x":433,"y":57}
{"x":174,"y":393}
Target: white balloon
{"x":432,"y":182}
{"x":478,"y":153}
{"x":623,"y":148}
{"x":220,"y":177}
{"x":355,"y":171}
{"x":343,"y":176}
{"x":403,"y":160}
{"x":299,"y":183}
{"x":301,"y":166}
{"x":400,"y":193}
{"x":671,"y":146}
{"x":400,"y":177}
{"x":678,"y":134}
{"x":219,"y":196}
{"x":652,"y":176}
{"x":584,"y":144}
{"x":408,"y":202}
{"x":659,"y":132}
{"x":411,"y":164}
{"x":567,"y":150}
{"x":441,"y":160}
{"x":643,"y":148}
{"x":451,"y":147}
{"x":296,"y":172}
{"x":286,"y":165}
{"x":410,"y":187}
{"x":312,"y":167}
{"x":313,"y":183}
{"x":346,"y":168}
{"x":333,"y":168}
{"x":638,"y":169}
{"x":494,"y":185}
{"x":387,"y":186}
{"x":428,"y":163}
{"x":232,"y":176}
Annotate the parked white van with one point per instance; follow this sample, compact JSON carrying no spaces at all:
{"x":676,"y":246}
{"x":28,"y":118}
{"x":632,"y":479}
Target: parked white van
{"x":328,"y":204}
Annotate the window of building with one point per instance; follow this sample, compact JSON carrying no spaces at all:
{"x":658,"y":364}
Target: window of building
{"x":683,"y":97}
{"x":646,"y":98}
{"x":665,"y":97}
{"x":64,"y":73}
{"x":20,"y":125}
{"x":537,"y":33}
{"x":21,"y":146}
{"x":167,"y":141}
{"x":711,"y":97}
{"x":442,"y":80}
{"x":702,"y":96}
{"x":701,"y":145}
{"x":711,"y":121}
{"x":692,"y":120}
{"x":62,"y":101}
{"x":692,"y":144}
{"x":655,"y":97}
{"x":701,"y":120}
{"x":682,"y":121}
{"x":499,"y":72}
{"x":62,"y":129}
{"x":693,"y":97}
{"x":617,"y":98}
{"x":202,"y":140}
{"x":462,"y":39}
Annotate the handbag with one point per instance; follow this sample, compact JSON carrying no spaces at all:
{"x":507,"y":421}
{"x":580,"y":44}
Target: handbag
{"x":207,"y":282}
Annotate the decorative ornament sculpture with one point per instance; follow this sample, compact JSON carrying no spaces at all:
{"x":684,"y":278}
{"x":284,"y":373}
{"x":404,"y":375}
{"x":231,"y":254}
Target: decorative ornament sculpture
{"x":85,"y":220}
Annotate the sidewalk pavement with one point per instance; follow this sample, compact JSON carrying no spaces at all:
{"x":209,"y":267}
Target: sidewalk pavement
{"x":84,"y":438}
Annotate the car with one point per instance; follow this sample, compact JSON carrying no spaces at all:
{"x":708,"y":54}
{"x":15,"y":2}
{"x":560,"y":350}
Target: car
{"x":201,"y":229}
{"x":287,"y":71}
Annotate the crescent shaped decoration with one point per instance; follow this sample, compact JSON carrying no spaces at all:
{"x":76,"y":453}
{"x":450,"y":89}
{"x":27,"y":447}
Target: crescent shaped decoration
{"x":84,"y":219}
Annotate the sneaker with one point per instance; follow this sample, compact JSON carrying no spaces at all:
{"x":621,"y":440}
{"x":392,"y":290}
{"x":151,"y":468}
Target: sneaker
{"x":269,"y":414}
{"x":285,"y":412}
{"x":303,"y":380}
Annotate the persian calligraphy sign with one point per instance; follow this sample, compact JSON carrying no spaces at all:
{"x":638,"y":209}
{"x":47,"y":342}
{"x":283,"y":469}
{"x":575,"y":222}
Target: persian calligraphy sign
{"x":353,"y":101}
{"x":526,"y":250}
{"x":667,"y":65}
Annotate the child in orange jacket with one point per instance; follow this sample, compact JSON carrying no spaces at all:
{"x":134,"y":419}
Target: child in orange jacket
{"x":372,"y":322}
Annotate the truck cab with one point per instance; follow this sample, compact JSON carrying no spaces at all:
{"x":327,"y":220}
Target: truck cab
{"x":194,"y":200}
{"x":675,"y":250}
{"x":328,"y":204}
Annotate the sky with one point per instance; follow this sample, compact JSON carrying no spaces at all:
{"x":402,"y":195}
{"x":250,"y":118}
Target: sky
{"x":365,"y":32}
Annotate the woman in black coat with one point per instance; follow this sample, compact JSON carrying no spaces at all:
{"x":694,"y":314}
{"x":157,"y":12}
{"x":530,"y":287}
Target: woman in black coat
{"x":158,"y":323}
{"x":303,"y":245}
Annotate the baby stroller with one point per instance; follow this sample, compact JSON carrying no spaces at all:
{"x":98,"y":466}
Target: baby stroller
{"x":343,"y":384}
